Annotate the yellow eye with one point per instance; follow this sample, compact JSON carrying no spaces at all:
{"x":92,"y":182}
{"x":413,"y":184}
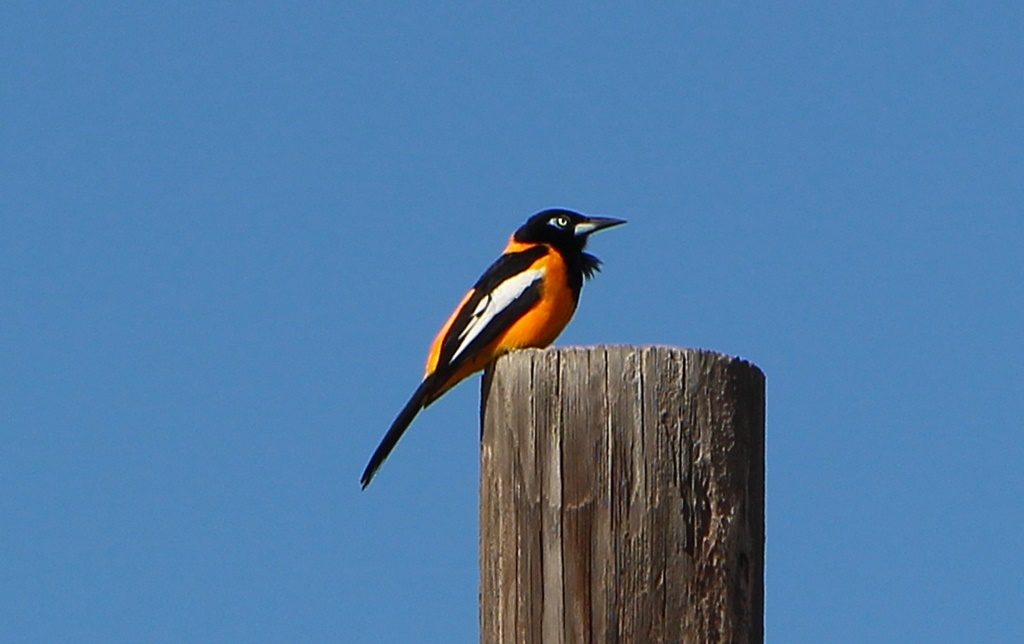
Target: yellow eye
{"x":561,"y":221}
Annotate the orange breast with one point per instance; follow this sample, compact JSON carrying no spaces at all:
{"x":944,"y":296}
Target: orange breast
{"x":545,"y":321}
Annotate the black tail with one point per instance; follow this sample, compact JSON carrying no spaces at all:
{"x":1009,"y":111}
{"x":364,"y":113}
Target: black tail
{"x":419,"y":400}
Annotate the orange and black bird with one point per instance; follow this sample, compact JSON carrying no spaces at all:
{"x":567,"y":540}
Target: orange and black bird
{"x":524,"y":299}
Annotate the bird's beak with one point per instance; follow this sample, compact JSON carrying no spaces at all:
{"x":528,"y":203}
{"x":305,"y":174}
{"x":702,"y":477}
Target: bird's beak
{"x":594,"y":224}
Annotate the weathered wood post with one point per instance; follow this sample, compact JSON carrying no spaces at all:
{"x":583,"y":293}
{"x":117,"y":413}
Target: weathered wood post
{"x":622,"y":497}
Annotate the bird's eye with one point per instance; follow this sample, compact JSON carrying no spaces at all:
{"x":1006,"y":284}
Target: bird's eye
{"x":561,"y":221}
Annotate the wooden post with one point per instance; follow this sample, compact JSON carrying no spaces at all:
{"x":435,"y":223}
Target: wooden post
{"x":622,"y":497}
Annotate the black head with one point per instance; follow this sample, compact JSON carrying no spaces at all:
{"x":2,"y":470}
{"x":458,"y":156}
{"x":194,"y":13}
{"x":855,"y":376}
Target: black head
{"x":564,"y":229}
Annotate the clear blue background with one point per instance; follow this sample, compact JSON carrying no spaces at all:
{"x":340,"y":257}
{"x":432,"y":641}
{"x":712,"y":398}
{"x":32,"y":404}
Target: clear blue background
{"x":230,"y":232}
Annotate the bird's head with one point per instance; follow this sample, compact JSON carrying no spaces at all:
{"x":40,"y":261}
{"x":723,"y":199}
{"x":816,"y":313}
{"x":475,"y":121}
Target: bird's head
{"x":563,"y":229}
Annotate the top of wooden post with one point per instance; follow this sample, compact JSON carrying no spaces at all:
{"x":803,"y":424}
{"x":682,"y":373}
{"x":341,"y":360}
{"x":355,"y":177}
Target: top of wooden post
{"x":622,"y":496}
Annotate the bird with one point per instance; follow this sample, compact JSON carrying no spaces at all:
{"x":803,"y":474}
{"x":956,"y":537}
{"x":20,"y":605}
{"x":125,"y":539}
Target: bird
{"x":524,"y":299}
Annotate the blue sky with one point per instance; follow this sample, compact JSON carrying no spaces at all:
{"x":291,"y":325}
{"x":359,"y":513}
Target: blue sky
{"x":229,"y":234}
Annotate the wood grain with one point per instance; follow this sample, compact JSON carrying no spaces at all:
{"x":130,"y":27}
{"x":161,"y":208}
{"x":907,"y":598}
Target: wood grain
{"x":622,"y":497}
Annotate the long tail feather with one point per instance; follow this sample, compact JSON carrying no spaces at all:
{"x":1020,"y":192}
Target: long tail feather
{"x":419,"y":400}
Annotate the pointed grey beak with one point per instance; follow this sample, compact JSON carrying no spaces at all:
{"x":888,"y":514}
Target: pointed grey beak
{"x":594,"y":224}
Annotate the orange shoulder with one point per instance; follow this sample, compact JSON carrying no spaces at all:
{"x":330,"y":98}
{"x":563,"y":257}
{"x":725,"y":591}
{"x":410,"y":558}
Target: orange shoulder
{"x":517,"y":246}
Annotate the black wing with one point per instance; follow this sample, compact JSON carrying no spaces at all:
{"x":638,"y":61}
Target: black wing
{"x":480,"y":318}
{"x":505,"y":268}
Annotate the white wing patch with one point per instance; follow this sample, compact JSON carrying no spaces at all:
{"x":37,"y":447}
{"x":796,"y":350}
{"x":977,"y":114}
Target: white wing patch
{"x":494,"y":303}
